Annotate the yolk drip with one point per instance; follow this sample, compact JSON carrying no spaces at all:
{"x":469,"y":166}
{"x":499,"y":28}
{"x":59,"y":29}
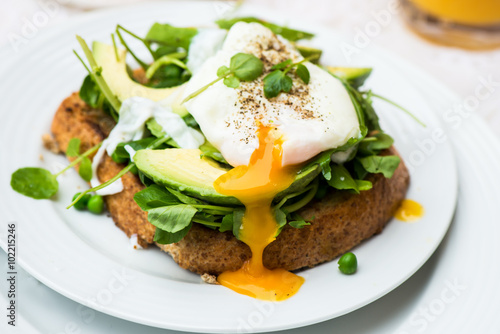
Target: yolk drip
{"x":255,"y":186}
{"x":409,"y":211}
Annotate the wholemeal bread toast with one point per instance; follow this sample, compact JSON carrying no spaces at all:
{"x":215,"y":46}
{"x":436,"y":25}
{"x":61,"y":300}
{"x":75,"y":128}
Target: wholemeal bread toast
{"x":339,"y":222}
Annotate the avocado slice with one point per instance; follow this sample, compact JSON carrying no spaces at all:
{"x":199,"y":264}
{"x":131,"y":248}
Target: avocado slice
{"x":356,"y":76}
{"x":185,"y":170}
{"x":114,"y":72}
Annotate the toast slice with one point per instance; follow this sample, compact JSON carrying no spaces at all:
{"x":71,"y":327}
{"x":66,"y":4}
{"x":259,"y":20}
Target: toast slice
{"x":339,"y":222}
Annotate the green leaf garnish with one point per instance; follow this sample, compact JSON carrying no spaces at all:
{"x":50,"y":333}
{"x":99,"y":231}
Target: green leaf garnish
{"x":303,"y":73}
{"x":172,"y":218}
{"x":164,"y":237}
{"x":167,"y":35}
{"x":85,"y":169}
{"x":73,"y":149}
{"x":381,"y":164}
{"x":298,"y":223}
{"x":278,"y":81}
{"x":242,"y":66}
{"x":290,"y":34}
{"x":37,"y":183}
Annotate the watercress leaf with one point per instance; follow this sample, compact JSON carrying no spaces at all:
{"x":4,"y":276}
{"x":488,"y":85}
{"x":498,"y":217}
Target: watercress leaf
{"x":227,"y":223}
{"x":246,"y":66}
{"x":364,"y":185}
{"x":276,"y":82}
{"x":280,"y":217}
{"x":163,"y":237}
{"x":73,"y":149}
{"x":303,"y":73}
{"x":381,"y":164}
{"x":342,"y":179}
{"x":155,"y":196}
{"x":37,"y":183}
{"x":290,"y":34}
{"x":299,"y":223}
{"x":222,"y":71}
{"x":282,"y":65}
{"x":167,"y":35}
{"x":172,"y":218}
{"x":231,"y":82}
{"x":184,"y":198}
{"x":85,"y":169}
{"x":237,"y":222}
{"x":90,"y":92}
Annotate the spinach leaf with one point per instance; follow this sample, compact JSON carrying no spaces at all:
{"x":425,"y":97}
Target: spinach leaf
{"x":227,"y":223}
{"x":172,"y":218}
{"x":163,"y":237}
{"x":280,"y":217}
{"x":342,"y":179}
{"x":184,"y":198}
{"x":381,"y":164}
{"x":37,"y":183}
{"x":290,"y":34}
{"x":155,"y":196}
{"x":237,"y":222}
{"x":90,"y":92}
{"x":167,"y":35}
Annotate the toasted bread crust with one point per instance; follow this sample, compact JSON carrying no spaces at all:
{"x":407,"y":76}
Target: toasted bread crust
{"x":339,"y":222}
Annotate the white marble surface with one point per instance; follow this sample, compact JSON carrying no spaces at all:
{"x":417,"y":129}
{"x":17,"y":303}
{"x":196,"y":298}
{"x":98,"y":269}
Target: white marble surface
{"x":463,"y":71}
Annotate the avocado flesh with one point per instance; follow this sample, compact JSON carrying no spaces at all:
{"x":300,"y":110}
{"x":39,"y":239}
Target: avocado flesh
{"x":114,"y":72}
{"x":184,"y":170}
{"x":356,"y":76}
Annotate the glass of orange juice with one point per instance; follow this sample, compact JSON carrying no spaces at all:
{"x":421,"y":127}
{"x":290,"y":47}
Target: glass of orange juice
{"x":471,"y":24}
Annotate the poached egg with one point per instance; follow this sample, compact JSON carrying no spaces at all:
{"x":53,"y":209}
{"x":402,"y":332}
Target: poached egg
{"x":312,"y":118}
{"x":266,"y":140}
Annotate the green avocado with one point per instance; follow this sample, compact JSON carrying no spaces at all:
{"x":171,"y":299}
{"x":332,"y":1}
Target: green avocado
{"x":185,"y":170}
{"x":356,"y":76}
{"x":114,"y":72}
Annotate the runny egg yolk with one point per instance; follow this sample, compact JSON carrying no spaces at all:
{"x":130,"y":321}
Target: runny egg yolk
{"x":409,"y":211}
{"x":255,"y":186}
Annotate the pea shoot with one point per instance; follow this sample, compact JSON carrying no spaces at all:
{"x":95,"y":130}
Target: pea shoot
{"x":348,"y":264}
{"x":242,"y":67}
{"x":39,"y":183}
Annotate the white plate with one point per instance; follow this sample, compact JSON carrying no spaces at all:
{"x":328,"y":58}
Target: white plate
{"x":471,"y":243}
{"x":87,"y":259}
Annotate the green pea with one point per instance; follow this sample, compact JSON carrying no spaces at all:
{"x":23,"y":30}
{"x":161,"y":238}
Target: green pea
{"x":348,"y":264}
{"x":82,"y":203}
{"x":96,"y":204}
